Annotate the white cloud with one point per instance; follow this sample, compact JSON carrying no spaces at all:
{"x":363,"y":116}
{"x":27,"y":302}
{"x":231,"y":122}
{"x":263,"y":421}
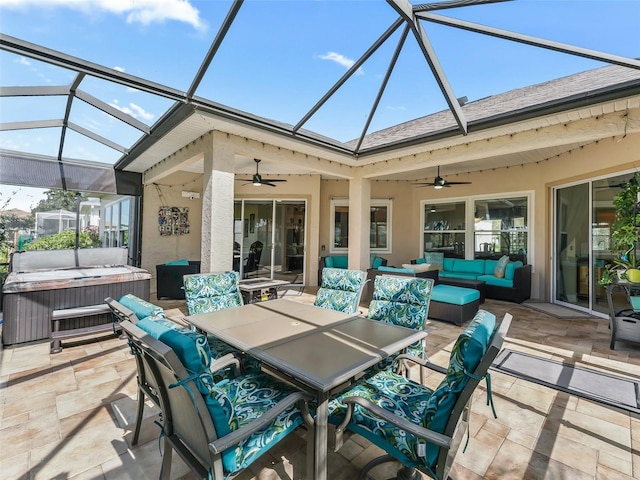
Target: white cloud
{"x":340,"y":60}
{"x":23,"y":61}
{"x":136,"y":111}
{"x":119,"y":69}
{"x":145,"y":12}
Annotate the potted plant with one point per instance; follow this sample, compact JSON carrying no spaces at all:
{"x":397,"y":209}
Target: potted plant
{"x":624,"y":235}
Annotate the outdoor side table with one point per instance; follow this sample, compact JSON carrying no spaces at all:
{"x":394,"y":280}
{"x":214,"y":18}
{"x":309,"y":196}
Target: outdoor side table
{"x":260,"y":289}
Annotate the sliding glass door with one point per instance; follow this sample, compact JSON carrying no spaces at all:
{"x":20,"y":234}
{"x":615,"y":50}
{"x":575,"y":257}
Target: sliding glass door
{"x":269,"y":239}
{"x":584,"y":214}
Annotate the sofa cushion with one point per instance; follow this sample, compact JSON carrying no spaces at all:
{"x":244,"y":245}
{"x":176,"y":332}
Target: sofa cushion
{"x":420,"y":261}
{"x":510,"y":270}
{"x":341,"y":261}
{"x":182,"y":261}
{"x":454,"y":295}
{"x":468,"y":266}
{"x":464,"y":275}
{"x":377,"y":262}
{"x":490,"y":266}
{"x":501,"y":266}
{"x":495,"y":281}
{"x":396,"y":270}
{"x":447,"y":264}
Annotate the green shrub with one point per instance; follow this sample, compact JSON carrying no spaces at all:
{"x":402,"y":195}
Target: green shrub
{"x":64,"y":241}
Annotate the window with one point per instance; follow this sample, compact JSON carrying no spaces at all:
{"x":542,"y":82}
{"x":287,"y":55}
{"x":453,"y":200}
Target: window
{"x":116,"y":224}
{"x":444,"y":229}
{"x":478,"y":227}
{"x":500,"y":227}
{"x":379,"y":231}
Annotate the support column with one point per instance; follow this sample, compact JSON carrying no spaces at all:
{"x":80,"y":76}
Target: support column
{"x":359,"y":223}
{"x":217,"y":207}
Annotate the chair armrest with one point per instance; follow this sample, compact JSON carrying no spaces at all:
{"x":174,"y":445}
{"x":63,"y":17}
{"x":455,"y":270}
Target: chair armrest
{"x":225,"y":361}
{"x":421,"y":361}
{"x":233,"y":438}
{"x":424,"y":433}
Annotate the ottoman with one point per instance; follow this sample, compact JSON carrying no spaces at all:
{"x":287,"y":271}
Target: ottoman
{"x":453,"y":304}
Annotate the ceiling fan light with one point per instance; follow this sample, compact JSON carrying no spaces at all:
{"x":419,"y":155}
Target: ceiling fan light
{"x":437,"y":187}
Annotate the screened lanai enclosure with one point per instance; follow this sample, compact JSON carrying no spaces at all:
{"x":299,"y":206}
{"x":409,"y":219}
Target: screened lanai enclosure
{"x":391,"y":90}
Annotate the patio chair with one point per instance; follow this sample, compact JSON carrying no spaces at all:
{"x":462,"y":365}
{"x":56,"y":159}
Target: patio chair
{"x":419,"y":427}
{"x":402,"y":301}
{"x":340,"y":290}
{"x":252,"y":260}
{"x":208,"y":292}
{"x":218,"y":429}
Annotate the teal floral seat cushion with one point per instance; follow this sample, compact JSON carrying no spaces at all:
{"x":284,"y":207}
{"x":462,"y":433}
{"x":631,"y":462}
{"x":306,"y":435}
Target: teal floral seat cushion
{"x":236,"y":402}
{"x":414,"y":402}
{"x":211,"y":292}
{"x":340,"y":289}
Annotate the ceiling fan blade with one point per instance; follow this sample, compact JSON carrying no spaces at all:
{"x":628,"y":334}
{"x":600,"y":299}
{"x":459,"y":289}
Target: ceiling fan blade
{"x":272,"y":180}
{"x":457,"y":183}
{"x":264,"y":182}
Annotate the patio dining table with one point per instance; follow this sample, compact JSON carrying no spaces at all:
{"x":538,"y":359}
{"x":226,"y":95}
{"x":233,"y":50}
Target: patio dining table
{"x":319,"y":350}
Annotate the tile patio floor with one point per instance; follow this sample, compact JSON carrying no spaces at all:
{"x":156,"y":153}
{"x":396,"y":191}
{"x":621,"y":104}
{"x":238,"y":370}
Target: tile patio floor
{"x":70,"y":415}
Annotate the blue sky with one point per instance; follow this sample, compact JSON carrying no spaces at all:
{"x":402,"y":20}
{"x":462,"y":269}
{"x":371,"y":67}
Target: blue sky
{"x":280,"y":57}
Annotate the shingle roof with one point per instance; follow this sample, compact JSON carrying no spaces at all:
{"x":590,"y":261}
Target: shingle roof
{"x":581,"y":85}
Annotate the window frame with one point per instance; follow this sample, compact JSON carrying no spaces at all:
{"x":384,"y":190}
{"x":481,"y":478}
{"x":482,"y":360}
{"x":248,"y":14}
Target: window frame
{"x":470,"y":231}
{"x":375,"y":203}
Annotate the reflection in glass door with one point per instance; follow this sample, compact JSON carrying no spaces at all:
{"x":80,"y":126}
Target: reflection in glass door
{"x":269,"y":239}
{"x":572,"y":245}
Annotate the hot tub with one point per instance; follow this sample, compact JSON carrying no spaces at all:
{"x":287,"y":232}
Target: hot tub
{"x":30,"y":296}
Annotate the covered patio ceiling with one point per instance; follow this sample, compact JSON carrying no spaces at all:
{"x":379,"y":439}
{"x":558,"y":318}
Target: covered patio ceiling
{"x":402,"y":41}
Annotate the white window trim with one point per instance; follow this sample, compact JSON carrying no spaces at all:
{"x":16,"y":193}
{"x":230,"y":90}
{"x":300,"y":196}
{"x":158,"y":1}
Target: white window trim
{"x":375,"y":202}
{"x":470,"y":231}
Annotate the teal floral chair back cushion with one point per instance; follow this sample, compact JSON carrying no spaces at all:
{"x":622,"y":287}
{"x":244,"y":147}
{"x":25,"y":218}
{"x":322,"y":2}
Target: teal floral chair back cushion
{"x":140,"y":307}
{"x":191,"y":348}
{"x":340,"y":289}
{"x":466,"y":354}
{"x":402,"y":301}
{"x":212,"y":291}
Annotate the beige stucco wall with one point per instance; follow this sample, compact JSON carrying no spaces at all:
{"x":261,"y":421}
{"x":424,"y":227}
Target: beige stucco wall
{"x":157,"y":249}
{"x":600,"y":158}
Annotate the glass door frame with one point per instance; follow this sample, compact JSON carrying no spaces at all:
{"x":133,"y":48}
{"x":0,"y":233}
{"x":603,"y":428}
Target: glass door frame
{"x":592,"y":205}
{"x":278,"y":234}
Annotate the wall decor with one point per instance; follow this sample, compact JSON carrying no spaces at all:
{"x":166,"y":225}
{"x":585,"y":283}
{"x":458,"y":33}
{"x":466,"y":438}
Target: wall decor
{"x":173,"y":220}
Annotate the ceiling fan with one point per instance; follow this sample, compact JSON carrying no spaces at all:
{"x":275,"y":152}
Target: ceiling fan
{"x":257,"y":179}
{"x":440,"y":182}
